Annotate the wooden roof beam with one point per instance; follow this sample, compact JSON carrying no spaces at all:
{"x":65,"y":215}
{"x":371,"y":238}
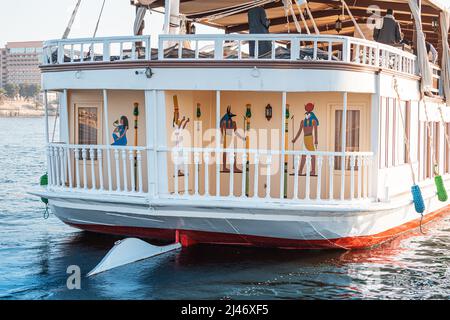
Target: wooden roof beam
{"x":384,"y":5}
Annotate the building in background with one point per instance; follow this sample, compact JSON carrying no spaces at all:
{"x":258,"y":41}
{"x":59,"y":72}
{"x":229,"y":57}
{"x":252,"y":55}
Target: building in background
{"x":2,"y":67}
{"x":20,"y":63}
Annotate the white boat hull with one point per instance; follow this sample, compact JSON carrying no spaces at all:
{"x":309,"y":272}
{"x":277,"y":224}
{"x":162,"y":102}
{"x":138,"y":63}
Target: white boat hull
{"x":294,"y":227}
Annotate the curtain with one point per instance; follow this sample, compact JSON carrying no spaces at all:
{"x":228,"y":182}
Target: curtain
{"x":140,"y":15}
{"x":445,"y":74}
{"x":422,"y":56}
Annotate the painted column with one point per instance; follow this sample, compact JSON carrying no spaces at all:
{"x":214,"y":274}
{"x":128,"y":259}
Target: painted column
{"x":64,"y":117}
{"x":108,"y":150}
{"x":47,"y":139}
{"x":374,"y":138}
{"x":283,"y":145}
{"x":218,"y":139}
{"x":344,"y":143}
{"x":152,"y":142}
{"x":157,"y":150}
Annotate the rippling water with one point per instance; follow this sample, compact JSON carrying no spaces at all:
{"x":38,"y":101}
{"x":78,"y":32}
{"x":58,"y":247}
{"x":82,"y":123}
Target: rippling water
{"x":35,"y":254}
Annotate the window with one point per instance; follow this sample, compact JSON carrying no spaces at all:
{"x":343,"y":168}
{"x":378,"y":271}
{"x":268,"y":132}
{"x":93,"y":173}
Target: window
{"x":87,"y":125}
{"x":407,"y":130}
{"x":437,"y":141}
{"x":88,"y":128}
{"x":352,"y":133}
{"x":401,"y":113}
{"x":428,"y":161}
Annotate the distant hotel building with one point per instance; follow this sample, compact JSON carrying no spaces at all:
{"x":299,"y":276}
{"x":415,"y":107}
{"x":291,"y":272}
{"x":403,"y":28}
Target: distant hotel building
{"x":19,"y":63}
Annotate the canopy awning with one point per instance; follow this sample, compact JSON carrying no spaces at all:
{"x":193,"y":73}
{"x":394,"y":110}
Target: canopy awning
{"x":324,"y":12}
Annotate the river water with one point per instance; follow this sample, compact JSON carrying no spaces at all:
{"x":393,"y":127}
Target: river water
{"x":35,"y":254}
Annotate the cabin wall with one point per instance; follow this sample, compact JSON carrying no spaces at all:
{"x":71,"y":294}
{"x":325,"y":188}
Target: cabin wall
{"x":120,"y":103}
{"x":267,"y":134}
{"x":394,"y":176}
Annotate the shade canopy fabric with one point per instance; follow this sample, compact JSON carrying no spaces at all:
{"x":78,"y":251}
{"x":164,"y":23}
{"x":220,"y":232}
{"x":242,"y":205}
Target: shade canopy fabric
{"x":445,"y":74}
{"x":140,"y":15}
{"x":324,"y":13}
{"x":422,"y":56}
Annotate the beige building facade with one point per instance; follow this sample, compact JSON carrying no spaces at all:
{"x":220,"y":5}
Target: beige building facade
{"x":20,"y":63}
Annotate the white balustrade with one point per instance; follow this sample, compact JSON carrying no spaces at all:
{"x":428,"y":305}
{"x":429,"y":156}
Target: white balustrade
{"x":320,"y":172}
{"x":86,"y":166}
{"x":89,"y":50}
{"x":231,"y":47}
{"x":82,"y":168}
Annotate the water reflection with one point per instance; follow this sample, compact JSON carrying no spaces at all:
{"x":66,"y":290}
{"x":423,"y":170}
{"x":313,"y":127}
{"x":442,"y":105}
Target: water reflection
{"x":35,"y":254}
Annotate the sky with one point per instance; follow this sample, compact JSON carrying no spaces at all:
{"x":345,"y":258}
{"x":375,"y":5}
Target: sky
{"x":29,"y":20}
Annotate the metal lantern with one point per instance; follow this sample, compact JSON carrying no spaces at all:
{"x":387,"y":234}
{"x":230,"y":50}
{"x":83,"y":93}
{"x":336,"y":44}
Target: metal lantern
{"x":435,"y":24}
{"x":193,"y":29}
{"x":338,"y":25}
{"x":199,"y":111}
{"x":269,"y":112}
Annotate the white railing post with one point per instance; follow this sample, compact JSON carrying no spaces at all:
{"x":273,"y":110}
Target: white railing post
{"x":196,"y":173}
{"x":269,"y":174}
{"x":62,"y":166}
{"x":218,"y":49}
{"x":331,"y":177}
{"x":296,"y":166}
{"x":106,"y":51}
{"x":319,"y":177}
{"x":256,"y":178}
{"x":50,"y":165}
{"x":207,"y":157}
{"x":244,"y":175}
{"x":175,"y":157}
{"x":140,"y":177}
{"x":295,"y":49}
{"x":100,"y":168}
{"x":77,"y":167}
{"x":308,"y":178}
{"x":186,"y":172}
{"x":131,"y":160}
{"x":85,"y":177}
{"x":117,"y":166}
{"x":352,"y":177}
{"x":231,"y":156}
{"x":69,"y":167}
{"x":360,"y":168}
{"x":124,"y":170}
{"x":93,"y":178}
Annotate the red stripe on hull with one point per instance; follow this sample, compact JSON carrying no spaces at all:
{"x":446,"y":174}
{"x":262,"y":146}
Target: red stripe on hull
{"x":189,"y":237}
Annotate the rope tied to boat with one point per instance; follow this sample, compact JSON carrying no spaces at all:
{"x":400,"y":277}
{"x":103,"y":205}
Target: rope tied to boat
{"x":46,"y":214}
{"x":416,"y":193}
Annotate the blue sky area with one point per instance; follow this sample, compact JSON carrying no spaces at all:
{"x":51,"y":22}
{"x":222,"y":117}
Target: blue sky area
{"x":24,"y":20}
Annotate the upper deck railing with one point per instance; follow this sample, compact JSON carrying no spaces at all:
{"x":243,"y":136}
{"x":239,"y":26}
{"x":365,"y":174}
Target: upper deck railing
{"x":232,"y":47}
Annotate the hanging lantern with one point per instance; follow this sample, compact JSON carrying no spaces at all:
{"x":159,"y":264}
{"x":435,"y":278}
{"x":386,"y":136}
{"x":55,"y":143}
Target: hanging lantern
{"x":338,"y":25}
{"x":248,"y":113}
{"x":435,"y":24}
{"x":193,"y":29}
{"x":288,"y":114}
{"x":269,"y":112}
{"x":199,"y":111}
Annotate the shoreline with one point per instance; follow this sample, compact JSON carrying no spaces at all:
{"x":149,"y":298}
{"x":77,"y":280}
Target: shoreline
{"x":24,"y":109}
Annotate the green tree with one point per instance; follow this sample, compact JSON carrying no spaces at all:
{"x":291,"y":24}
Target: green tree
{"x":12,"y":90}
{"x":29,"y":91}
{"x":2,"y":95}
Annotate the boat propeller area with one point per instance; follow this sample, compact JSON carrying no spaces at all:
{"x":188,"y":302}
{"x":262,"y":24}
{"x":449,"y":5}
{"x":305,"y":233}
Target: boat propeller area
{"x":129,"y":251}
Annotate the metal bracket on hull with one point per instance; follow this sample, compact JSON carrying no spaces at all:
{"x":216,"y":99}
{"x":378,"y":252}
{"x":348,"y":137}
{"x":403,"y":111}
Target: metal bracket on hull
{"x":128,"y":251}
